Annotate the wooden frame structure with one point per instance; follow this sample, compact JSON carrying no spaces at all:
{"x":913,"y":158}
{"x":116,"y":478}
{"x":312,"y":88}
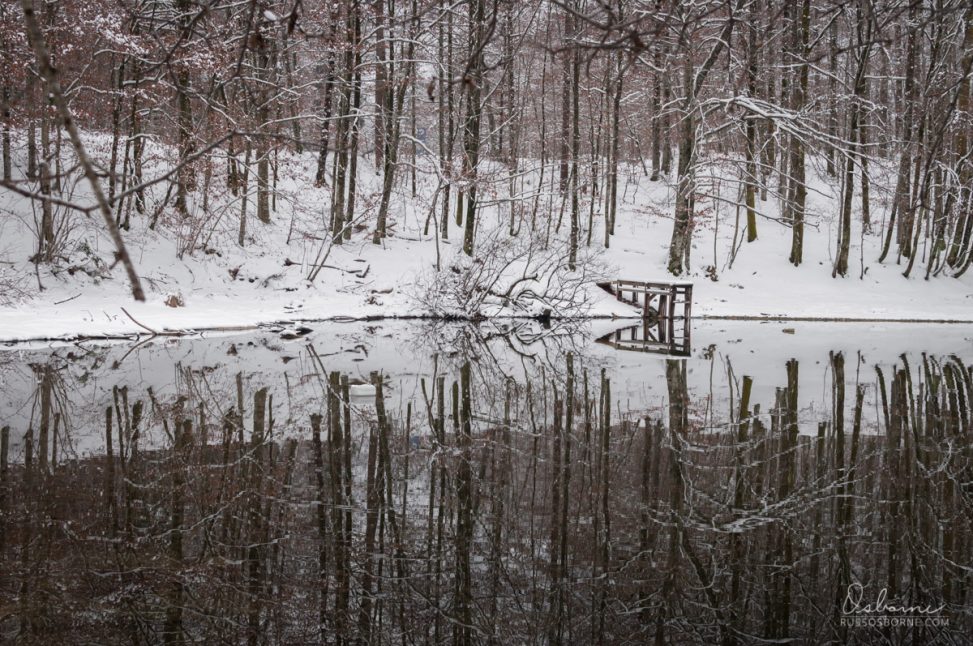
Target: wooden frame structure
{"x":662,"y":336}
{"x":670,"y":292}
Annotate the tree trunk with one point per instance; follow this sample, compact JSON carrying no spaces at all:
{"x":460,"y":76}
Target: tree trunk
{"x":750,"y":183}
{"x":575,"y":150}
{"x":799,"y":192}
{"x":186,"y":174}
{"x":682,"y":225}
{"x":680,"y":243}
{"x":263,"y":149}
{"x":5,"y":135}
{"x":863,"y":49}
{"x":474,"y":109}
{"x":383,"y":79}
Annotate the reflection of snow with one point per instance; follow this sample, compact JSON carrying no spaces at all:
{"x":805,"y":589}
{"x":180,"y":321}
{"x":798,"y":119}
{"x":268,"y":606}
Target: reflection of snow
{"x":185,"y":373}
{"x":361,"y":390}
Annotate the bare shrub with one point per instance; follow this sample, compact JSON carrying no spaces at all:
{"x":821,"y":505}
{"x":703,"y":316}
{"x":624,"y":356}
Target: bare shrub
{"x":516,"y":276}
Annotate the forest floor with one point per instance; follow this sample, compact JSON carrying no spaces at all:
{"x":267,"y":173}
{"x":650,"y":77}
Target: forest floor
{"x":196,"y":263}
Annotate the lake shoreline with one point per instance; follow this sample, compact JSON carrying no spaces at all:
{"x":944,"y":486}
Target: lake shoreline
{"x":190,"y":332}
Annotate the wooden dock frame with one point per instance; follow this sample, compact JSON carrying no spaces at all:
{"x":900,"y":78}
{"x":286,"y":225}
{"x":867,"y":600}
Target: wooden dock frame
{"x":672,"y":295}
{"x":670,"y":292}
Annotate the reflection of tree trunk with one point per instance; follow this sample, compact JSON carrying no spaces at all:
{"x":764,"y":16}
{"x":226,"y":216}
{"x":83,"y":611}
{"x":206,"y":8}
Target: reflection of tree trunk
{"x":913,"y":490}
{"x":322,"y":525}
{"x":172,"y":632}
{"x":349,"y":500}
{"x":556,"y":592}
{"x":280,"y":554}
{"x":603,"y":475}
{"x":501,"y":484}
{"x":27,"y":622}
{"x":843,"y":565}
{"x":462,"y":629}
{"x":784,"y":545}
{"x":894,"y":414}
{"x":255,"y":520}
{"x":335,"y":471}
{"x":565,"y":478}
{"x":645,"y":498}
{"x":46,"y":383}
{"x":133,"y":490}
{"x":737,"y":544}
{"x":678,"y":422}
{"x":4,"y":485}
{"x":952,"y":531}
{"x":122,"y":422}
{"x":820,"y":464}
{"x":110,"y":500}
{"x":373,"y":492}
{"x":441,"y":507}
{"x":389,"y":518}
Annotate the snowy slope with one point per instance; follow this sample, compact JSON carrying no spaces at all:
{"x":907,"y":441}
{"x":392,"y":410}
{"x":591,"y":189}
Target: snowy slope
{"x":220,"y":284}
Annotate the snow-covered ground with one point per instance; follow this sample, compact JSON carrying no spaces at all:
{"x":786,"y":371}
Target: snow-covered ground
{"x":222,"y":285}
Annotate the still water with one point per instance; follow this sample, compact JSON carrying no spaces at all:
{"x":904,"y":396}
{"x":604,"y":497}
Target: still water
{"x":404,"y":483}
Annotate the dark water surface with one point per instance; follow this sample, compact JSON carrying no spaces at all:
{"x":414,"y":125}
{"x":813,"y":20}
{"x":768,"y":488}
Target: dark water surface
{"x":506,"y":484}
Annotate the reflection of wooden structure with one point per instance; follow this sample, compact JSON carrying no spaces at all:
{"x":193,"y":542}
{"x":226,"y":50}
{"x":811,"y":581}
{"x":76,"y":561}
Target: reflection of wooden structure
{"x":661,"y":336}
{"x":642,"y":293}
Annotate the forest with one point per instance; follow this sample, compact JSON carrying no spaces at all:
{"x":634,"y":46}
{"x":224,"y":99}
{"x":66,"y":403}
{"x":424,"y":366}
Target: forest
{"x":483,"y":156}
{"x":217,"y":427}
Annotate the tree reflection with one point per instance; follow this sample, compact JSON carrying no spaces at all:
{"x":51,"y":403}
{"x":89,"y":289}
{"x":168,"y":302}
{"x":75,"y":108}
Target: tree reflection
{"x":492,"y":509}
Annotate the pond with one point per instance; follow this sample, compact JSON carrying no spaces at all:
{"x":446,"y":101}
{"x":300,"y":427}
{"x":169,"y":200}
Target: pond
{"x":410,"y":482}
